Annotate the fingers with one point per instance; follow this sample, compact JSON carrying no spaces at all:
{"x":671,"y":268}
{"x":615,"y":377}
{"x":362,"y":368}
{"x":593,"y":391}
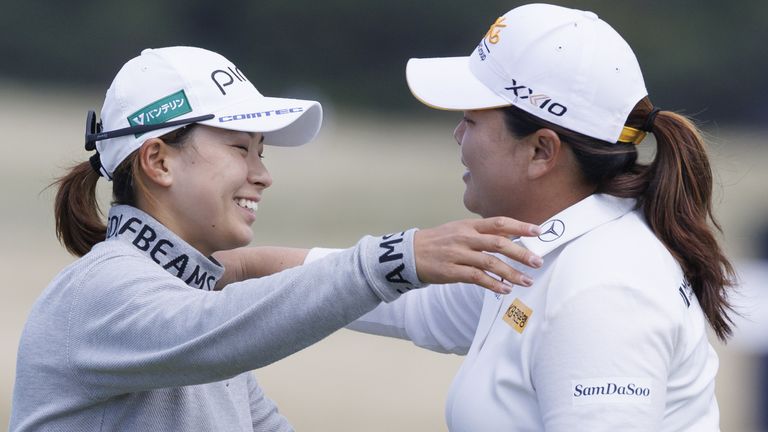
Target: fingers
{"x":496,"y":240}
{"x":491,"y":264}
{"x":473,"y":275}
{"x":460,"y":251}
{"x":505,"y":246}
{"x":505,"y":226}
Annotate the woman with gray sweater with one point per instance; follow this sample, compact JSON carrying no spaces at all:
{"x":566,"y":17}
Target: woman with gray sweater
{"x":134,"y":336}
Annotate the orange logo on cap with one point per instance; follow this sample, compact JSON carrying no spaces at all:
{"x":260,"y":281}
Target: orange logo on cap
{"x":493,"y":32}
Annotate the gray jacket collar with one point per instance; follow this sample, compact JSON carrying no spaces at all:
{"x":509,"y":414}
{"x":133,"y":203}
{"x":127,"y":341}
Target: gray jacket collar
{"x":161,"y":245}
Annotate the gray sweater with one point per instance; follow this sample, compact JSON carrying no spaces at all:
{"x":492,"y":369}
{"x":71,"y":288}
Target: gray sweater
{"x":130,"y":337}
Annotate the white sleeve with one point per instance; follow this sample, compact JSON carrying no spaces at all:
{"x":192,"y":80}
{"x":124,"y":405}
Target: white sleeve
{"x":602,"y":361}
{"x":440,"y":318}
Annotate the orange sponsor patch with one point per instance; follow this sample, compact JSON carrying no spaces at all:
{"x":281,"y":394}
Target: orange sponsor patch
{"x":517,"y":315}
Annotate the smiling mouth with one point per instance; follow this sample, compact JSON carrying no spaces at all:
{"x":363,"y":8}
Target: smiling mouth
{"x":247,"y":204}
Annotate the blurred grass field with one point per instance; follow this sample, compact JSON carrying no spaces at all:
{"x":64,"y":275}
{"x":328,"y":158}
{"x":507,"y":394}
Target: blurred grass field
{"x":365,"y":174}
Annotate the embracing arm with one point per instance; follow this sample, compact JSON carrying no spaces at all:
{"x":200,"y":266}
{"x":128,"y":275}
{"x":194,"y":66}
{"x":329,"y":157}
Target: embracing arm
{"x":255,"y":262}
{"x":452,"y":252}
{"x":134,"y":327}
{"x":441,"y":318}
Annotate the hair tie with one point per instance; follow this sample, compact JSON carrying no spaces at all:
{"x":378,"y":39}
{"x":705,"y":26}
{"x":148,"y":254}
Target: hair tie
{"x":648,"y":125}
{"x":95,"y":161}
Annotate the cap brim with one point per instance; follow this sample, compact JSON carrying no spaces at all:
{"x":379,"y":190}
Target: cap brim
{"x":284,"y":122}
{"x":447,"y":83}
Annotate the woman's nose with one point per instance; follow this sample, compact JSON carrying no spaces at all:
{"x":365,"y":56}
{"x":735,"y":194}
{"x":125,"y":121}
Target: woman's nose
{"x":458,"y":133}
{"x":258,"y":173}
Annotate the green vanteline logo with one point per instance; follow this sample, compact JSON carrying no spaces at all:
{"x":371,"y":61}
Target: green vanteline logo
{"x":161,"y":110}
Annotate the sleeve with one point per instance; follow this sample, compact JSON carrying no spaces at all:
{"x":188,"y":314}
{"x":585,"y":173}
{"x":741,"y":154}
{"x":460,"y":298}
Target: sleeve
{"x":441,"y":318}
{"x":602,"y":361}
{"x":133,"y":327}
{"x":264,"y":413}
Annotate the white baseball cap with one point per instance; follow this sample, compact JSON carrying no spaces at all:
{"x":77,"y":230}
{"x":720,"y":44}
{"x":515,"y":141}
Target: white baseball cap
{"x":562,"y":65}
{"x":176,"y":86}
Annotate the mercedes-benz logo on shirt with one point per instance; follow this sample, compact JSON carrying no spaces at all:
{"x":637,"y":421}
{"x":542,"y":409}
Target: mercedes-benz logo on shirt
{"x":552,"y":230}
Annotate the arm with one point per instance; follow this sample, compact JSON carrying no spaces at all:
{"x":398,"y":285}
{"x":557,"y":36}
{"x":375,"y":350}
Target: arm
{"x":255,"y":262}
{"x":602,"y":361}
{"x":452,"y":252}
{"x":134,"y":327}
{"x":441,"y":318}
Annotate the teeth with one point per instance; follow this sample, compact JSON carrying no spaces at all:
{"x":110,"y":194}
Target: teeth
{"x":250,"y":205}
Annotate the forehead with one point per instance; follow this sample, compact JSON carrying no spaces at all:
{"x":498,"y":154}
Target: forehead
{"x":209,"y":132}
{"x":486,"y":113}
{"x":490,"y":119}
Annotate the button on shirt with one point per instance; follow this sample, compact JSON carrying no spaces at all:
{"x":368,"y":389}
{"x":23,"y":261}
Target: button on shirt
{"x":610,"y":336}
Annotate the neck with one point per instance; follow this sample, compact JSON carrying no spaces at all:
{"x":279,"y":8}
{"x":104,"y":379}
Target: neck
{"x":547,"y":200}
{"x":552,"y":206}
{"x":172,"y":222}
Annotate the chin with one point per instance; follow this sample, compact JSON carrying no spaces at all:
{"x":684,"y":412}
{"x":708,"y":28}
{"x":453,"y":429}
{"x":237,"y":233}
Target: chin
{"x":470,"y":205}
{"x":235,"y":242}
{"x":245,"y":241}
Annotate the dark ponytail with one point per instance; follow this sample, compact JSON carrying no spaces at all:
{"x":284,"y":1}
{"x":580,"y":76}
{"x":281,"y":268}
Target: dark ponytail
{"x":678,"y":207}
{"x":79,"y":220}
{"x":674,"y":192}
{"x":79,"y":223}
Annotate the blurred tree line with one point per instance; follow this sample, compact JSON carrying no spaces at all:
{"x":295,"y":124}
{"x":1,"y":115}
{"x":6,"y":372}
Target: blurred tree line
{"x":706,"y":57}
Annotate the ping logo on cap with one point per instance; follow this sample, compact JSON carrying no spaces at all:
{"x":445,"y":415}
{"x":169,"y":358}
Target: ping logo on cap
{"x":493,"y":33}
{"x":517,"y":315}
{"x":161,"y":110}
{"x":223,"y":78}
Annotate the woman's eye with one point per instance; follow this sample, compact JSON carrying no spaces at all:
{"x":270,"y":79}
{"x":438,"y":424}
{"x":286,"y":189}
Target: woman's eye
{"x":242,"y":147}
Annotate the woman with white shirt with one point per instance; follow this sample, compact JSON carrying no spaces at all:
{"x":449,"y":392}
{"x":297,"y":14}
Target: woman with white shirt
{"x":613,"y":333}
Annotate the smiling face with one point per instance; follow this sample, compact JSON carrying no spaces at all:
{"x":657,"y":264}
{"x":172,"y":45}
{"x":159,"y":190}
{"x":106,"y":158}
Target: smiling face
{"x":216,"y":181}
{"x":496,"y":177}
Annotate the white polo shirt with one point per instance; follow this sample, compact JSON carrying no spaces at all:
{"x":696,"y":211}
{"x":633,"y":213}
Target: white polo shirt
{"x":610,"y":336}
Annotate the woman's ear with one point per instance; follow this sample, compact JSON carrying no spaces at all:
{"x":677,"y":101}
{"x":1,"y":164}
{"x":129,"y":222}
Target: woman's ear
{"x":546,"y":149}
{"x":154,"y":157}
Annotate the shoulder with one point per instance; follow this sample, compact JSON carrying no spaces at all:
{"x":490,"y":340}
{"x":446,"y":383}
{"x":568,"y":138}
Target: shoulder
{"x":117,"y":261}
{"x":622,"y":255}
{"x":111,"y":274}
{"x":105,"y":258}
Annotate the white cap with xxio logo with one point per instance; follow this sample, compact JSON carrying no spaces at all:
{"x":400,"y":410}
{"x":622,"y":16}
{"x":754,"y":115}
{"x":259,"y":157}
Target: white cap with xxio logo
{"x":174,"y":84}
{"x":562,"y":65}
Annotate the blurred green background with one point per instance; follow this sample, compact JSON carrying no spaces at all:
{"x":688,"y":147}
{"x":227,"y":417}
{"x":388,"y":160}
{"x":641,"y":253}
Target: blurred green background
{"x":382,"y":162}
{"x":707,"y":57}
